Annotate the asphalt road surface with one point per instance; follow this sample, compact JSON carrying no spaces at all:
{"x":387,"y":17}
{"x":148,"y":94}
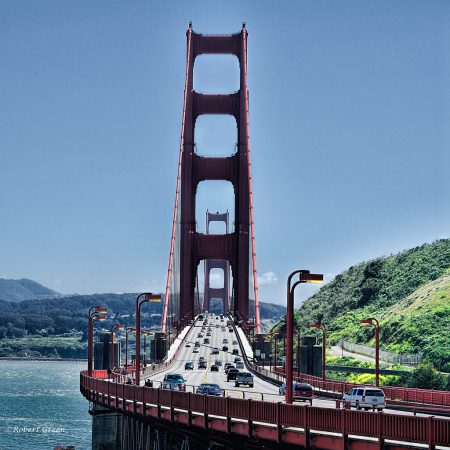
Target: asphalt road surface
{"x":262,"y":390}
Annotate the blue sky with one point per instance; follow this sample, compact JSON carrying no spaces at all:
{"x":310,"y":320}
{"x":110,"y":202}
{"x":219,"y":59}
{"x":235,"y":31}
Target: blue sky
{"x":349,"y":135}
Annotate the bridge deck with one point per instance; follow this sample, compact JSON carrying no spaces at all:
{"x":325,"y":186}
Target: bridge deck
{"x":323,"y":425}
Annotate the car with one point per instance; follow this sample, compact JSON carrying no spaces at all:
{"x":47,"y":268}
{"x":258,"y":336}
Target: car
{"x":235,"y":351}
{"x":237,"y":359}
{"x":206,"y":341}
{"x":239,"y":365}
{"x":208,"y":333}
{"x":189,"y":366}
{"x":200,"y":317}
{"x":217,"y":317}
{"x":215,"y":351}
{"x":197,"y":344}
{"x":232,"y":373}
{"x":225,"y":348}
{"x":218,"y":362}
{"x":200,"y":335}
{"x":365,"y":397}
{"x":229,"y":367}
{"x":225,"y":341}
{"x":210,"y":389}
{"x":202,"y":358}
{"x":170,"y":386}
{"x":214,"y":368}
{"x":175,"y":378}
{"x":244,"y":378}
{"x":230,"y":330}
{"x":299,"y":390}
{"x":302,"y":391}
{"x":282,"y":388}
{"x":195,"y":350}
{"x":202,"y":365}
{"x":235,"y":342}
{"x":188,"y":344}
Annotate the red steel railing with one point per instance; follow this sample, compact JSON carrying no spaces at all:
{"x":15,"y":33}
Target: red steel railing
{"x":424,"y":430}
{"x":411,"y":395}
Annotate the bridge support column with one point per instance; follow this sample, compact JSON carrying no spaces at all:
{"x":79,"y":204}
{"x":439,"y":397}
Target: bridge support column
{"x":106,"y":428}
{"x":234,"y":247}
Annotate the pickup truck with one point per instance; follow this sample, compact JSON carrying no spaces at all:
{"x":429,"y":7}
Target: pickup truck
{"x":244,"y":378}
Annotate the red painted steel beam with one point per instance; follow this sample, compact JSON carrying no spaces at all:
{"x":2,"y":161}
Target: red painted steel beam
{"x":235,"y":169}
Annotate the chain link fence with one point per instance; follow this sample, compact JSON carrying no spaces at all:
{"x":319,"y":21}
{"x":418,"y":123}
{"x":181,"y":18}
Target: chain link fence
{"x":390,"y":357}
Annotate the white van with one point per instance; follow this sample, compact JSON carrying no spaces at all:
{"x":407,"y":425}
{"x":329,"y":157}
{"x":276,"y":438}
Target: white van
{"x":365,"y":397}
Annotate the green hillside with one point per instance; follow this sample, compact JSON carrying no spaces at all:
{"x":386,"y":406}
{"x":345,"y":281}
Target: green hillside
{"x":408,"y":293}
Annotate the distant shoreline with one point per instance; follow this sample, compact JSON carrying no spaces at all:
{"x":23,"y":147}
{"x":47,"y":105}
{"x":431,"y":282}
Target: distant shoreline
{"x":6,"y":358}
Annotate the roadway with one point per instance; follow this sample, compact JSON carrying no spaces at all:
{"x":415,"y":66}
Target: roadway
{"x":262,"y":390}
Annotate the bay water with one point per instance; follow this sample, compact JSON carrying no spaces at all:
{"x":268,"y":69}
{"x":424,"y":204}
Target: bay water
{"x":41,"y":406}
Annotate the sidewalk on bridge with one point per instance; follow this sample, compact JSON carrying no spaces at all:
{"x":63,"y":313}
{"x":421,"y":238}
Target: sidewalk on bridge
{"x":247,"y":347}
{"x":177,"y":342}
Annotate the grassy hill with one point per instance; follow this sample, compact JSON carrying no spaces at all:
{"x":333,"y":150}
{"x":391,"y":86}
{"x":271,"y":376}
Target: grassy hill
{"x":408,"y":293}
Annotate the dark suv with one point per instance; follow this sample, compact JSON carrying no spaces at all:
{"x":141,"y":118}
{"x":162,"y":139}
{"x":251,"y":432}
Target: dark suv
{"x":232,"y":373}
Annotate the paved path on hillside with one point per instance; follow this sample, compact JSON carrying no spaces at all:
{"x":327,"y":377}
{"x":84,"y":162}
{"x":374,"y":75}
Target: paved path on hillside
{"x":337,"y":351}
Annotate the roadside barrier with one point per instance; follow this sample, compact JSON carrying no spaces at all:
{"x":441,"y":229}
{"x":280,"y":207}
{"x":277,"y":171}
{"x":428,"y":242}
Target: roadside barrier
{"x":140,"y":400}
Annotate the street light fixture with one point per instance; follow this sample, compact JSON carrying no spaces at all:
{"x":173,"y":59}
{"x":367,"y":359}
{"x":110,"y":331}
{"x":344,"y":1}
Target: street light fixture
{"x":304,"y":277}
{"x":94,"y":314}
{"x":114,"y":327}
{"x":129,"y":330}
{"x":371,"y":321}
{"x":148,"y":296}
{"x":322,"y":327}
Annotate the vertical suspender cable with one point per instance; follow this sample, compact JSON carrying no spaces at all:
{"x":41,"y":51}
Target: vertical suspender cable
{"x":175,"y":214}
{"x":255,"y":280}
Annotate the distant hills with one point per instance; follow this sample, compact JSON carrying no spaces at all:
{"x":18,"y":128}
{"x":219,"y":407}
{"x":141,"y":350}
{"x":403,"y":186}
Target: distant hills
{"x":24,"y":289}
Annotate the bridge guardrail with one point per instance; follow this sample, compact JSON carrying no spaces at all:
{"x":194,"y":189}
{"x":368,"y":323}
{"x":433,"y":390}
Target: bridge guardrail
{"x":424,"y":430}
{"x":403,"y":394}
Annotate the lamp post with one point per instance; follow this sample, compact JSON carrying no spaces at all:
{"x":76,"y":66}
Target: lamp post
{"x":148,"y":296}
{"x":304,"y":277}
{"x":94,"y":314}
{"x":374,"y":322}
{"x":128,"y":330}
{"x":324,"y":336}
{"x":114,"y":327}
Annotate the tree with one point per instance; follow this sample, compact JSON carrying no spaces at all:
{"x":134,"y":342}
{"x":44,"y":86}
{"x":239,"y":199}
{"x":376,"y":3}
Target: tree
{"x":425,"y":376}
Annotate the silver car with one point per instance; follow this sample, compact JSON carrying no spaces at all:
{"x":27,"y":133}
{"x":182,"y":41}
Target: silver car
{"x":365,"y":397}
